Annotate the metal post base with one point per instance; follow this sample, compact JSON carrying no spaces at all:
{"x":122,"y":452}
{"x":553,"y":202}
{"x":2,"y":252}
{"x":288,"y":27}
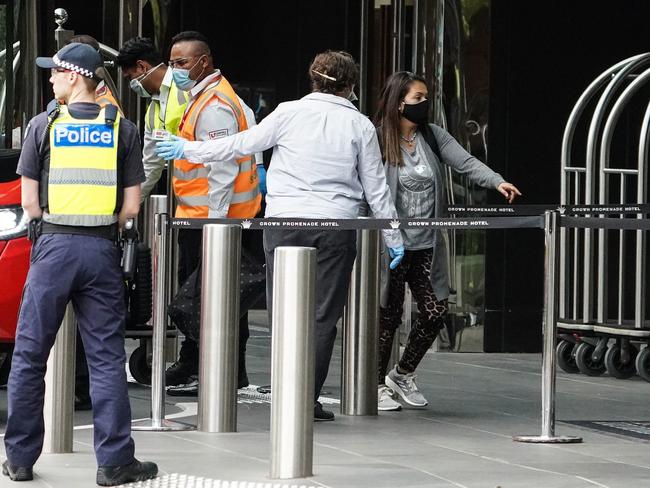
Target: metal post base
{"x":543,"y":439}
{"x":151,"y":425}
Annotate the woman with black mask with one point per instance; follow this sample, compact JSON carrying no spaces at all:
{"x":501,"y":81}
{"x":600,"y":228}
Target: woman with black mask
{"x":414,"y":152}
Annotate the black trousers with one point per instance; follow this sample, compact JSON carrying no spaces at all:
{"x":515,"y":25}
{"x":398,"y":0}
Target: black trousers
{"x":415,"y":269}
{"x":336,"y":253}
{"x":190,"y":249}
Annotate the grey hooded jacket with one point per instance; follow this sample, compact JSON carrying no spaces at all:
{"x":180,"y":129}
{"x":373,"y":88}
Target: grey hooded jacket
{"x":454,"y":156}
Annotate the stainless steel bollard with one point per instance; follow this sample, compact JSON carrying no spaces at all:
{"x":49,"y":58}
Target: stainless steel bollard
{"x":217,"y":409}
{"x":157,"y":422}
{"x":360,"y":328}
{"x":551,"y":287}
{"x":172,"y":260}
{"x":58,"y":409}
{"x":292,"y":363}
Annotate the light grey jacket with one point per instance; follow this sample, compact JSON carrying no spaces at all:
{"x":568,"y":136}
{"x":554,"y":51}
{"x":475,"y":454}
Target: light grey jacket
{"x":462,"y":162}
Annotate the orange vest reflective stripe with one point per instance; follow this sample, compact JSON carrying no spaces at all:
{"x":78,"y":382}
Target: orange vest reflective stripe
{"x":190,"y":180}
{"x":104,"y":96}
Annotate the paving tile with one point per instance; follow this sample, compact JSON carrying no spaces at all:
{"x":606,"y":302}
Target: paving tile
{"x":463,"y":439}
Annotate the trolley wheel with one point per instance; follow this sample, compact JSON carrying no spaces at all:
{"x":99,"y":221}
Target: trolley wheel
{"x":565,"y":358}
{"x":614,"y":365}
{"x":585,"y":364}
{"x":643,"y":363}
{"x":139,"y":365}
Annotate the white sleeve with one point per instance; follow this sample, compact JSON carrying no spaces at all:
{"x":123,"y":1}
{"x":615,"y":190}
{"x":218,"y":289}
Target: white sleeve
{"x":254,"y":140}
{"x":153,"y":164}
{"x":217,"y":121}
{"x":251,"y":122}
{"x":375,"y":188}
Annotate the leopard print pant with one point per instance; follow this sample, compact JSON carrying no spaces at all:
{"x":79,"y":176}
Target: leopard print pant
{"x":415,"y":270}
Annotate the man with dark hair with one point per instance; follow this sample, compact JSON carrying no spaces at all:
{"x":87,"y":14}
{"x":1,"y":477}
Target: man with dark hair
{"x":103,"y":94}
{"x":81,"y":173}
{"x":229,"y":188}
{"x":149,"y":77}
{"x":326,"y":162}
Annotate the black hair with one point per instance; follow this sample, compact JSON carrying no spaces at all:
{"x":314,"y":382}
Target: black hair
{"x":388,"y":116}
{"x":192,"y":36}
{"x":138,"y":49}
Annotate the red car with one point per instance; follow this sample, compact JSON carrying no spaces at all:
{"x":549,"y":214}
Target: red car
{"x":14,"y":255}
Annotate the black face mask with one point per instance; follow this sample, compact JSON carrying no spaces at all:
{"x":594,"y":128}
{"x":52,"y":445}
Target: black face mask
{"x":418,"y":113}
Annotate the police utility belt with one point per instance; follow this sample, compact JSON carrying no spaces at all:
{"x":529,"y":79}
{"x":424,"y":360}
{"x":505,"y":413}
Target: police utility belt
{"x":79,"y":188}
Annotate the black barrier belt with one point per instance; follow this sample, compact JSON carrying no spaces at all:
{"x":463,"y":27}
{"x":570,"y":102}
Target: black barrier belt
{"x":633,"y":208}
{"x":351,"y":224}
{"x":487,"y":210}
{"x":604,"y":223}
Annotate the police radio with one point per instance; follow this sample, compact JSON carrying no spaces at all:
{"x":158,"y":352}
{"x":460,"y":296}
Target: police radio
{"x":129,"y":249}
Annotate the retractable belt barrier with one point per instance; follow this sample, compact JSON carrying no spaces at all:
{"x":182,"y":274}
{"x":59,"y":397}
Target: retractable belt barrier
{"x":363,"y":223}
{"x":474,"y":217}
{"x":483,"y":217}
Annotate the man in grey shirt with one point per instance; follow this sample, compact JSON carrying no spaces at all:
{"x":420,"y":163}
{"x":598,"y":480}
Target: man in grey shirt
{"x":326,"y":161}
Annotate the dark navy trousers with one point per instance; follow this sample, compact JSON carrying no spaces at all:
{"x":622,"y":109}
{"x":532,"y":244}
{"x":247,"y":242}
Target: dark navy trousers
{"x":336,"y":253}
{"x":86,"y":271}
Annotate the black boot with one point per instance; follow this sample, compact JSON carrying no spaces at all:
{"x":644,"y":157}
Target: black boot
{"x":321,"y":415}
{"x":186,"y":366}
{"x":17,"y":473}
{"x":119,"y":475}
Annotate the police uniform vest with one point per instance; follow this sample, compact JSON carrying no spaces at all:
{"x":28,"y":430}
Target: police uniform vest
{"x":190,"y":180}
{"x":174,"y":110}
{"x":81,"y":179}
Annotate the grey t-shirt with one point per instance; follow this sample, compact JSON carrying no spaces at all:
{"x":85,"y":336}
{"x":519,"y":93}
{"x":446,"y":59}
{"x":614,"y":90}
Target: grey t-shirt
{"x":416,"y":193}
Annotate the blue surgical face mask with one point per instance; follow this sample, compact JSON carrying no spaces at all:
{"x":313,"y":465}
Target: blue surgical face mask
{"x":136,"y":83}
{"x":139,"y":90}
{"x":182,"y":77}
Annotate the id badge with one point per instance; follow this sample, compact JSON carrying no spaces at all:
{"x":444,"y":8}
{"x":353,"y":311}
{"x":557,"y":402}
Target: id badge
{"x":161,"y":135}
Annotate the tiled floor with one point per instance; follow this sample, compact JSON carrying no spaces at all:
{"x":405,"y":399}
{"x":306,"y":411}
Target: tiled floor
{"x":463,"y":439}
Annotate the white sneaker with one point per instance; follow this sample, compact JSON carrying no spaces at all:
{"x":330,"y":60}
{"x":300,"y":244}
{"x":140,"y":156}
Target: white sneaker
{"x":404,"y":385}
{"x":385,"y":400}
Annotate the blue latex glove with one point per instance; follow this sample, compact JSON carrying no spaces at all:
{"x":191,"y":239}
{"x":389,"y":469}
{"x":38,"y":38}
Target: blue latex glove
{"x":397,"y":254}
{"x":261,"y":174}
{"x":171,"y":149}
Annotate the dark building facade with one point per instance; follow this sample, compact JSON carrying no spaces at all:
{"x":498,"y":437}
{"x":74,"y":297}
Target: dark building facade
{"x":504,"y":75}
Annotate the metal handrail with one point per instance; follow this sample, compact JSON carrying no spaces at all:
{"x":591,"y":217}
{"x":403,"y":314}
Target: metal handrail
{"x":565,"y":160}
{"x":605,"y":152}
{"x":3,"y":53}
{"x":3,"y":92}
{"x":641,"y":245}
{"x":590,"y":162}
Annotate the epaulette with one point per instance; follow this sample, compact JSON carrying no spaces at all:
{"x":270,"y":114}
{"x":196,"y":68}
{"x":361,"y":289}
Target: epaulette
{"x":110,"y":114}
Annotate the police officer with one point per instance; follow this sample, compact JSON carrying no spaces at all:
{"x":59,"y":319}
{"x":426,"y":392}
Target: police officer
{"x":152,"y":79}
{"x":81,"y":171}
{"x":103,"y":97}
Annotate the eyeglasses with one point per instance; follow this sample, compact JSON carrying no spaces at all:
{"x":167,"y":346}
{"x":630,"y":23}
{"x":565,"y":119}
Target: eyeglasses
{"x":179,"y":61}
{"x":183,"y":61}
{"x":53,"y":71}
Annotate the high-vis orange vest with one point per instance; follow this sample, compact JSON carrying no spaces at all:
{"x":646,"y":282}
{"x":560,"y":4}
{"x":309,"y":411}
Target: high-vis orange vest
{"x":104,"y":96}
{"x":190,"y":180}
